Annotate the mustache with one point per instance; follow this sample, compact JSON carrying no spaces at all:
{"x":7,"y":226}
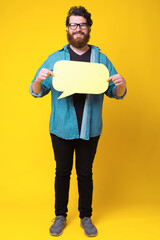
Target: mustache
{"x":79,"y":33}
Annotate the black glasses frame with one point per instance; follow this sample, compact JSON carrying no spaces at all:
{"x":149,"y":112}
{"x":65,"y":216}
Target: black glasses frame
{"x":75,"y":25}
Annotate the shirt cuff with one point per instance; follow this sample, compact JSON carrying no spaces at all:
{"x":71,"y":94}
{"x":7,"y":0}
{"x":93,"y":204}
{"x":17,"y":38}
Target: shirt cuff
{"x":114,"y":93}
{"x":40,"y":94}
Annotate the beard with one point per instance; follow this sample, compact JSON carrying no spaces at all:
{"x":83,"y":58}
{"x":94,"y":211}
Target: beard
{"x":80,"y":42}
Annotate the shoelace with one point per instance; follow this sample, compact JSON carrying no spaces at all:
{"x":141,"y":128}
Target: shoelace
{"x":57,"y":220}
{"x":87,"y":222}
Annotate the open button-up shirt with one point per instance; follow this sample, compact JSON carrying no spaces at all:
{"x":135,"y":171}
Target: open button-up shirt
{"x":63,"y":120}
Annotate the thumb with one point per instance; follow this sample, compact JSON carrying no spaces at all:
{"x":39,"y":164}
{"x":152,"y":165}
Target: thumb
{"x":51,"y":73}
{"x":109,"y":79}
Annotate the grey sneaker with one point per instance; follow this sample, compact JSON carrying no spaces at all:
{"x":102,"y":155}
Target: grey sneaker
{"x":57,"y":227}
{"x":89,"y":229}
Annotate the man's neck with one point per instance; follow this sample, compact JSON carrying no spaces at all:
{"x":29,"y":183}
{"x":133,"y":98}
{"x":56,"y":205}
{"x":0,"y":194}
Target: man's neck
{"x":80,"y":51}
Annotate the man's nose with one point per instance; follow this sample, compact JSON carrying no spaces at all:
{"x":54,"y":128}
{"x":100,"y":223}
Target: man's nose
{"x":78,"y":28}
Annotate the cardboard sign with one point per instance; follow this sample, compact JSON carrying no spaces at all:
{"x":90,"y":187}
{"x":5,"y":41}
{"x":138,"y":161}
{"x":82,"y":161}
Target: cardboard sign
{"x":80,"y":77}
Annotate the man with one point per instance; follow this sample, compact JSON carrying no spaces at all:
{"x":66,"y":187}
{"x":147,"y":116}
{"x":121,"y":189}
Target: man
{"x":76,"y":121}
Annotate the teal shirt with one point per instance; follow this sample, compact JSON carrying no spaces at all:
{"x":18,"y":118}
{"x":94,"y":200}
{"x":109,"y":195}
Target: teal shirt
{"x":63,"y":120}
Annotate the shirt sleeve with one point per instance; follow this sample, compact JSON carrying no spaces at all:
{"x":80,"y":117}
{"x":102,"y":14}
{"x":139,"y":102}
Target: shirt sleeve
{"x":40,"y":94}
{"x":46,"y":84}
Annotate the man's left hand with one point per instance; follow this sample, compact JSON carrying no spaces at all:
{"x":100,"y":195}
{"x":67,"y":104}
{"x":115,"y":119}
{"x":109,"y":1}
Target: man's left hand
{"x":120,"y":83}
{"x":118,"y":80}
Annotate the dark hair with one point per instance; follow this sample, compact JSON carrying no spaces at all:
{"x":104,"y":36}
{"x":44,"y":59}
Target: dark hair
{"x":79,"y":11}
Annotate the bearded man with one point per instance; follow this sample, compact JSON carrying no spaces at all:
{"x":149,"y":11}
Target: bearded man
{"x":76,"y":120}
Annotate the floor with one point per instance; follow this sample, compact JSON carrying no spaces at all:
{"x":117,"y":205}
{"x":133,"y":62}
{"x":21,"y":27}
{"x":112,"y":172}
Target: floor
{"x":28,"y":220}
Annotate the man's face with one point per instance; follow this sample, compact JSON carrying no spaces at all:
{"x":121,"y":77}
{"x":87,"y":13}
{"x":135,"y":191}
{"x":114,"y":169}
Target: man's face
{"x":78,"y":37}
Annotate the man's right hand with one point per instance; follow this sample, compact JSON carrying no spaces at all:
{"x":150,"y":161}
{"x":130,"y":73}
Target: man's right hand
{"x":43,"y":74}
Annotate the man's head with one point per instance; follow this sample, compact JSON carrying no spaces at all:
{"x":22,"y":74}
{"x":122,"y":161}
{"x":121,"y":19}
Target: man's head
{"x":78,"y":23}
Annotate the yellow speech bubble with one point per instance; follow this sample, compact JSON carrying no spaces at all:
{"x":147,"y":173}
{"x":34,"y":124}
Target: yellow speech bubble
{"x":79,"y":77}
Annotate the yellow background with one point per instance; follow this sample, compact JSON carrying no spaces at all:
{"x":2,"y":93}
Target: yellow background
{"x":126,"y":169}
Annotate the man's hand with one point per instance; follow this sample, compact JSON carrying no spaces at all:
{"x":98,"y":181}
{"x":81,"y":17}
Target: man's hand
{"x":118,"y":80}
{"x":120,"y":83}
{"x":43,"y":74}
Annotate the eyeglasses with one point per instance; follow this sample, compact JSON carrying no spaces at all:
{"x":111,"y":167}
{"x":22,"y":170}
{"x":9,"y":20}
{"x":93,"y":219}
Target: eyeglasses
{"x":73,"y":26}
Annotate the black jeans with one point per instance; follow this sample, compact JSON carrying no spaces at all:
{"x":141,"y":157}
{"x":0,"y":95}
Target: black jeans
{"x":85,"y":151}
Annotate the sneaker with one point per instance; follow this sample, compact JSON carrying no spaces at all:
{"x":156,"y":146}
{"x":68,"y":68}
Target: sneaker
{"x":89,"y":229}
{"x":57,"y":227}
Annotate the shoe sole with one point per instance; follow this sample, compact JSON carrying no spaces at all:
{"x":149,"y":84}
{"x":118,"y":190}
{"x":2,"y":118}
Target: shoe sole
{"x":58,"y":234}
{"x":91,"y":235}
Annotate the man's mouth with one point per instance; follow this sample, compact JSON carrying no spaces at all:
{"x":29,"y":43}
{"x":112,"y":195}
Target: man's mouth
{"x":78,"y":34}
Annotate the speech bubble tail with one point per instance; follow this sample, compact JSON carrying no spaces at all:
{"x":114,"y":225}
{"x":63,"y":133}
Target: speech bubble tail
{"x":64,"y":94}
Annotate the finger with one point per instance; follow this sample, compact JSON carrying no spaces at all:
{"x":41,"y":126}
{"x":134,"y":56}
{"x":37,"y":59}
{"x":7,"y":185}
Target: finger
{"x":109,"y":79}
{"x":117,"y":81}
{"x":51,"y":73}
{"x":119,"y":84}
{"x":115,"y":78}
{"x":43,"y":78}
{"x":44,"y":70}
{"x":44,"y":75}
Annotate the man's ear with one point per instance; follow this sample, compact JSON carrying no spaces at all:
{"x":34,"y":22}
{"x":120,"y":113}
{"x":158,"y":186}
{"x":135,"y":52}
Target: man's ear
{"x":66,"y":29}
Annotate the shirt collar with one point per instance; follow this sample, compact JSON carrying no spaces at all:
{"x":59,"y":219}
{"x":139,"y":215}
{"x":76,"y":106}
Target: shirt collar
{"x":92,"y":47}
